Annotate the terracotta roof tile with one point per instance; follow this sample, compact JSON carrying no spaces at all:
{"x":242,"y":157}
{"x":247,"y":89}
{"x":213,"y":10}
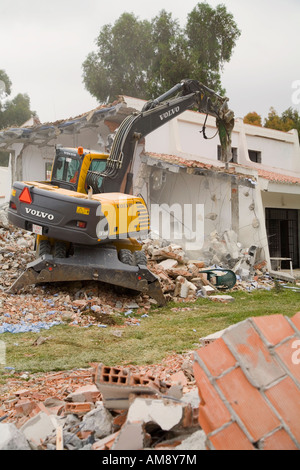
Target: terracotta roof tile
{"x":278,"y":177}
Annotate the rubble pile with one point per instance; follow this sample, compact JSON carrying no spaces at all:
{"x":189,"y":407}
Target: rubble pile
{"x":85,"y":304}
{"x":104,"y":408}
{"x":134,"y":407}
{"x":187,"y":279}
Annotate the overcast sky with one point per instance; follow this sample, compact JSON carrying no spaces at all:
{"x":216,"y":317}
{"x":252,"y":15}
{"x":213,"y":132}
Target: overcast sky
{"x":43,"y":45}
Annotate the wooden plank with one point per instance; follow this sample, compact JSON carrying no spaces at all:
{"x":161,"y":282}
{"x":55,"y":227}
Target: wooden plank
{"x":59,"y":438}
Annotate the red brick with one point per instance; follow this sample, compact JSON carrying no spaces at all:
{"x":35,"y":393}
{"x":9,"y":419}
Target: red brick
{"x":279,"y":440}
{"x":78,"y":408}
{"x":274,"y":328}
{"x":231,"y":438}
{"x":296,"y":320}
{"x":290,"y":356}
{"x":24,"y":407}
{"x":248,"y":403}
{"x":217,"y":357}
{"x":212,"y":411}
{"x":285,"y":396}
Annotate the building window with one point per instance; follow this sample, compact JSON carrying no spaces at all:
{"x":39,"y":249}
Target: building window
{"x":48,"y":168}
{"x":233,"y":151}
{"x":254,"y":156}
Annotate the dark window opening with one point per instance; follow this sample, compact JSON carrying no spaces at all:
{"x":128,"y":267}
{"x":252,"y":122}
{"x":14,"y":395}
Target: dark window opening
{"x":254,"y":156}
{"x":283,"y":238}
{"x":233,"y":151}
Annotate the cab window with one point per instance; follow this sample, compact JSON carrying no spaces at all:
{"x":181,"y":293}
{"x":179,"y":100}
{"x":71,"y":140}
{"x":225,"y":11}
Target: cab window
{"x":98,"y":166}
{"x":66,"y":169}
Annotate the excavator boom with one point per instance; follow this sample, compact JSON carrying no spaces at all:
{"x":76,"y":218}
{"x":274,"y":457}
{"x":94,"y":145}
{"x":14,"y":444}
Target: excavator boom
{"x":190,"y":94}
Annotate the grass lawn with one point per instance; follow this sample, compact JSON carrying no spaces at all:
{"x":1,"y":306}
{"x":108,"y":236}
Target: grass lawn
{"x":176,"y":328}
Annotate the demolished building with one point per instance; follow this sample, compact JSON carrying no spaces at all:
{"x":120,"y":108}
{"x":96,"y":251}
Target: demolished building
{"x":231,"y":217}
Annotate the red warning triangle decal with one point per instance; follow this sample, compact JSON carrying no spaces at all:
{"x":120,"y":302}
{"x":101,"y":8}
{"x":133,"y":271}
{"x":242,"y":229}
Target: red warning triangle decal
{"x":25,"y":196}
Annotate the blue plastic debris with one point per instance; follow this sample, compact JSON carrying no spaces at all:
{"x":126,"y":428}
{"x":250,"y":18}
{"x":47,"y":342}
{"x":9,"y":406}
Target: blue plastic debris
{"x":24,"y":327}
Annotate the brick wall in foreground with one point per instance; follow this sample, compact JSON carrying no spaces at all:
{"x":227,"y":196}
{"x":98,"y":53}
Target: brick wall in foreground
{"x":249,"y":385}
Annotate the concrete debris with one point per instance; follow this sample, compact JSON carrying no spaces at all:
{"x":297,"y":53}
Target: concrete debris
{"x":230,"y":393}
{"x":240,"y":373}
{"x":75,"y":406}
{"x":83,"y":304}
{"x":11,"y":438}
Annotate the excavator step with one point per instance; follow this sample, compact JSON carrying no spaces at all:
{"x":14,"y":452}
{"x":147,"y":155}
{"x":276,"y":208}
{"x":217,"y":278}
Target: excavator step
{"x":91,"y":263}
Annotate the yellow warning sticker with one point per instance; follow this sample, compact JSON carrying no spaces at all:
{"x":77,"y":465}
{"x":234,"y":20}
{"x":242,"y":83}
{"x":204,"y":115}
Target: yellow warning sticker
{"x":13,"y":192}
{"x":83,"y":210}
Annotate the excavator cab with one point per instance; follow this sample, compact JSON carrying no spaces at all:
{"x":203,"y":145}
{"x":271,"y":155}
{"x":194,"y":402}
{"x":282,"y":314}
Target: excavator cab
{"x":78,"y":169}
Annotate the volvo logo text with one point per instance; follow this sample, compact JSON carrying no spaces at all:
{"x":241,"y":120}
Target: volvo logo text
{"x":169,"y":113}
{"x":41,"y":214}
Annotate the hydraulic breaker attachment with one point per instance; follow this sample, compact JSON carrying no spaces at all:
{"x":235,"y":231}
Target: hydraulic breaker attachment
{"x":91,"y":264}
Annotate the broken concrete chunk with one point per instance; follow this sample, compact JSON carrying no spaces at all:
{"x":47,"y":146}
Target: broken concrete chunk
{"x":38,"y":428}
{"x":195,"y":441}
{"x":131,"y":437}
{"x":171,"y":251}
{"x":184,"y":287}
{"x":165,"y":413}
{"x":88,"y":393}
{"x":99,"y":421}
{"x":207,"y":290}
{"x":168,"y":264}
{"x":11,"y":438}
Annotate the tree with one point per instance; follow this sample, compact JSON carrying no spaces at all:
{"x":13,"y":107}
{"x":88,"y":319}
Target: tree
{"x":122,"y":62}
{"x":253,"y":118}
{"x":212,"y":34}
{"x":144,"y":59}
{"x":16,"y":111}
{"x":288,"y":120}
{"x":170,"y":62}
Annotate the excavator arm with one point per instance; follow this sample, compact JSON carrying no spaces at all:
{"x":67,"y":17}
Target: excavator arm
{"x":188,"y":94}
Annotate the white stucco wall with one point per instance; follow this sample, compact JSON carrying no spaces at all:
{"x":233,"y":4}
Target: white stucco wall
{"x":5,"y":184}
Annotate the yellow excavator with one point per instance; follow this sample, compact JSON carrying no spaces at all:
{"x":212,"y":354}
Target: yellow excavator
{"x":86,"y":220}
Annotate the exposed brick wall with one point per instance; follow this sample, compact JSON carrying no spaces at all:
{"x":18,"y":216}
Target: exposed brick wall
{"x":249,"y":385}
